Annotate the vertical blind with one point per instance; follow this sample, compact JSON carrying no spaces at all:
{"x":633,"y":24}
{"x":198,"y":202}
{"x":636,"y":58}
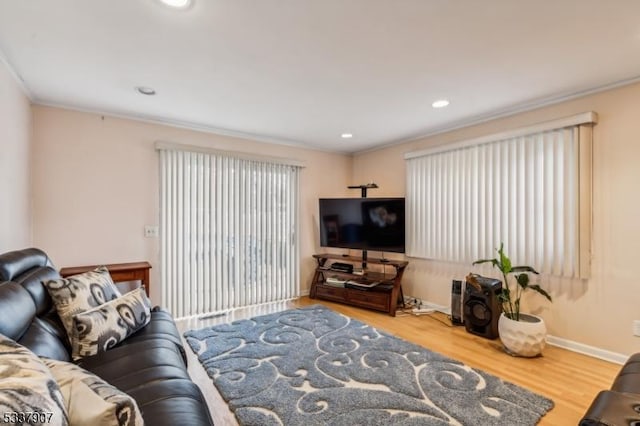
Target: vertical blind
{"x":228,"y":230}
{"x":528,"y":191}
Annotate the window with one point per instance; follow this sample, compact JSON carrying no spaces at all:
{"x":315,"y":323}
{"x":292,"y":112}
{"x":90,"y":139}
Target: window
{"x":229,"y":230}
{"x":530,"y":189}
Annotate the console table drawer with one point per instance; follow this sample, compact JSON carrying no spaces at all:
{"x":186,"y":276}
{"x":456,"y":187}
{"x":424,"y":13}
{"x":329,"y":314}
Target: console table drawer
{"x":372,"y":300}
{"x":330,"y":293}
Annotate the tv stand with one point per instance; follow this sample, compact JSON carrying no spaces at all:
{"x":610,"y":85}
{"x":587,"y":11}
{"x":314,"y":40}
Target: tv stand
{"x":381,"y":297}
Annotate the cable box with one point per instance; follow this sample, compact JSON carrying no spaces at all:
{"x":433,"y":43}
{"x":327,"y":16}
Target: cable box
{"x":342,"y":267}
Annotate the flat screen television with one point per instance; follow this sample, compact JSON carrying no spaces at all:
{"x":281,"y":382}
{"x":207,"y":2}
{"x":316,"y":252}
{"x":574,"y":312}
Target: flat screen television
{"x":376,"y":224}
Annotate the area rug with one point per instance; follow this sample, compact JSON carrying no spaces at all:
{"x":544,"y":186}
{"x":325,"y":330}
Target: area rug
{"x":313,"y":366}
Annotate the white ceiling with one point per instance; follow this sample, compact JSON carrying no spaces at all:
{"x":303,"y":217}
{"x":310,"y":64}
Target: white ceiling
{"x":305,"y":71}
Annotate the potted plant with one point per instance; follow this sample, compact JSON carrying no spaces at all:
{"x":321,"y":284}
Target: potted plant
{"x":521,"y":334}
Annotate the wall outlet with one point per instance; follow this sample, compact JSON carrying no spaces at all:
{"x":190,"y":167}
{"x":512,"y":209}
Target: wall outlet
{"x":636,"y":328}
{"x":151,"y":231}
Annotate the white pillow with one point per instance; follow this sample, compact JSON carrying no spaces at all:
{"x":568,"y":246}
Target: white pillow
{"x":89,"y":400}
{"x":28,"y":392}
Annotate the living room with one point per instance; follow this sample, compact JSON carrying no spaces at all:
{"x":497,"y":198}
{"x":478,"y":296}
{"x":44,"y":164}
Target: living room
{"x":82,"y":184}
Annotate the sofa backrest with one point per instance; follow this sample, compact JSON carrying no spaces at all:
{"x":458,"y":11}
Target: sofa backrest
{"x":27,"y":314}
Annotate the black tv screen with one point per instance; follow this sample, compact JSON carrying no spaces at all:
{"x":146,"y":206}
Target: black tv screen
{"x":363,"y":223}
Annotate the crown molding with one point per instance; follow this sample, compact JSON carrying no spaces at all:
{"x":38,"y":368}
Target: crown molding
{"x":506,"y":112}
{"x":189,"y":126}
{"x":16,"y":76}
{"x":472,"y":121}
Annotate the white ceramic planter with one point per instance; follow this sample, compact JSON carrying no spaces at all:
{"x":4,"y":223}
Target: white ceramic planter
{"x":526,"y":337}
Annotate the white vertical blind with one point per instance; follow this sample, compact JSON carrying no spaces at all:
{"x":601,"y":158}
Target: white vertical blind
{"x":229,"y":231}
{"x":524,"y":191}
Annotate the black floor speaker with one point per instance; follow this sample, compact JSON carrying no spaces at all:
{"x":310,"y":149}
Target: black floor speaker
{"x":481,"y":306}
{"x":457,"y":316}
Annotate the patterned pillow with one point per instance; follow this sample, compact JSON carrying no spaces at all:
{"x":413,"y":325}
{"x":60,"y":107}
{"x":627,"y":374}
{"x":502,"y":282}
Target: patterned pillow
{"x":89,"y":400}
{"x":79,"y":293}
{"x":99,"y":329}
{"x":28,"y":392}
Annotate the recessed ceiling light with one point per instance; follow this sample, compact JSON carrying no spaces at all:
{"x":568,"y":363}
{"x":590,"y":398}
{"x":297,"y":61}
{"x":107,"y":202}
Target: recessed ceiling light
{"x":145,"y":90}
{"x":346,"y":135}
{"x":178,"y":4}
{"x":440,"y":103}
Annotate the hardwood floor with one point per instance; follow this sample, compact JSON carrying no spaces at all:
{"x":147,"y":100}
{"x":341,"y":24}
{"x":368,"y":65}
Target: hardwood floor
{"x":570,"y":379}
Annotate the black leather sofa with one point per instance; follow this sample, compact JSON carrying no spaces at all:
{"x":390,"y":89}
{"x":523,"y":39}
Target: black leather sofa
{"x":149,"y":365}
{"x":619,"y":406}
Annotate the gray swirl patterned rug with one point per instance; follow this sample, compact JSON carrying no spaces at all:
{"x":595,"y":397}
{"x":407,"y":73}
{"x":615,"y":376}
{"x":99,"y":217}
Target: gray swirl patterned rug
{"x":313,"y":366}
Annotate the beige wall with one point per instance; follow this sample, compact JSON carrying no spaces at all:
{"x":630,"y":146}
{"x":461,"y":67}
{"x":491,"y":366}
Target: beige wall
{"x":96,"y":186}
{"x":598,"y":311}
{"x":15,"y":158}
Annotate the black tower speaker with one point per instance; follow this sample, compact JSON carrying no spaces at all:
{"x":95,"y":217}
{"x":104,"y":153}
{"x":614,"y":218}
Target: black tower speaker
{"x":482,"y":307}
{"x":457,"y":316}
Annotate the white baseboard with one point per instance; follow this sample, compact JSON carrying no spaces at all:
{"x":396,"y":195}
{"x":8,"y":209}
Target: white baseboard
{"x":304,"y":292}
{"x":559,"y":342}
{"x":581,"y":348}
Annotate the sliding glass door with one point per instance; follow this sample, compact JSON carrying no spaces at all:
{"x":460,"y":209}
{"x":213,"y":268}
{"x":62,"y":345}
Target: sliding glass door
{"x":229,"y":231}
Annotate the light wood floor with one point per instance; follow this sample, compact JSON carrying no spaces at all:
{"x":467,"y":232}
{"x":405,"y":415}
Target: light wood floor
{"x":570,"y":379}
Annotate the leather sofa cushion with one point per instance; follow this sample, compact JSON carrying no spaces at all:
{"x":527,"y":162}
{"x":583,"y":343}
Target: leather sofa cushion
{"x":18,"y":310}
{"x":628,"y":379}
{"x":629,"y":383}
{"x":136,"y":365}
{"x":29,"y":267}
{"x":633,"y":358}
{"x":173,"y":401}
{"x":632,"y":366}
{"x":41,"y":339}
{"x":612,"y":408}
{"x":161,"y":326}
{"x":20,"y":323}
{"x":14,"y":263}
{"x":32,"y":282}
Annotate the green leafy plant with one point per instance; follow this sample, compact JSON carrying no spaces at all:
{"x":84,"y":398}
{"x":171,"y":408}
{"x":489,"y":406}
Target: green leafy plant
{"x":509,"y":298}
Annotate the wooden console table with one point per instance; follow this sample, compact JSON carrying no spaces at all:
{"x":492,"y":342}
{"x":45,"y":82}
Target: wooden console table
{"x":120,"y":272}
{"x":383,"y":297}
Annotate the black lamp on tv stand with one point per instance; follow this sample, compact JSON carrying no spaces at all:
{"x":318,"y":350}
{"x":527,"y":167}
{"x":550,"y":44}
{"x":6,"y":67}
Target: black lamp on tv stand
{"x":363,"y":189}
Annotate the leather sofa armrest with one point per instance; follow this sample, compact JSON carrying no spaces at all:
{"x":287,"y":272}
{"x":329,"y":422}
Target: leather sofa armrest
{"x":612,"y":408}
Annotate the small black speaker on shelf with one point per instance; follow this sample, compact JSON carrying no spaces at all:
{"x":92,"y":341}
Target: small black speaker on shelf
{"x":457,"y":313}
{"x":482,"y":307}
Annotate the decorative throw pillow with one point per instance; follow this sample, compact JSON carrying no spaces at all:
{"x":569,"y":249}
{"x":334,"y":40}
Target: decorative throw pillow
{"x":89,"y":400}
{"x":79,"y":293}
{"x":28,"y":392}
{"x":99,"y":329}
